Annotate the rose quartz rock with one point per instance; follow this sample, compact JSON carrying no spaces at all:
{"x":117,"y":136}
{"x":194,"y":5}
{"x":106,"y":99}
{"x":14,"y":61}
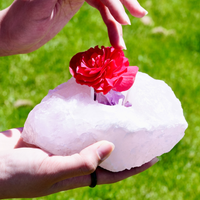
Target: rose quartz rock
{"x":68,"y":120}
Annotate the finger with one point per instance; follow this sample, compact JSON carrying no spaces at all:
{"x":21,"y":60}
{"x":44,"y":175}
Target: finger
{"x":117,"y":10}
{"x":115,"y":35}
{"x":103,"y":177}
{"x":80,"y":164}
{"x":114,"y":29}
{"x":115,"y":7}
{"x":70,"y":183}
{"x":19,"y":142}
{"x":9,"y":139}
{"x":134,"y":8}
{"x":107,"y":177}
{"x":22,"y":144}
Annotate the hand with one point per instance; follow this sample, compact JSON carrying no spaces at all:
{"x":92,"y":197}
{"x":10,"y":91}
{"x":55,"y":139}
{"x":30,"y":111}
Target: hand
{"x":27,"y":171}
{"x":114,"y":15}
{"x":28,"y":25}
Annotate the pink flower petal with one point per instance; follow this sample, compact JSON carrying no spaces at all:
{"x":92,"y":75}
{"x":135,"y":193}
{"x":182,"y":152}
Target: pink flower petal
{"x":127,"y":80}
{"x":103,"y":69}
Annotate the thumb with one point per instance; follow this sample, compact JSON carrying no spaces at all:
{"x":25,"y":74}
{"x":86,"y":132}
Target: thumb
{"x":98,"y":152}
{"x":83,"y":163}
{"x":92,"y":156}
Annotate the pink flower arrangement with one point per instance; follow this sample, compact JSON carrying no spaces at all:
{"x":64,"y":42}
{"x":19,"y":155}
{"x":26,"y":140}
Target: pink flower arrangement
{"x":103,"y":69}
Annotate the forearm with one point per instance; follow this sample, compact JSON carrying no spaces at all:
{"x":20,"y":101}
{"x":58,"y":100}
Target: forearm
{"x":4,"y":46}
{"x":11,"y":29}
{"x":20,"y":31}
{"x":27,"y":25}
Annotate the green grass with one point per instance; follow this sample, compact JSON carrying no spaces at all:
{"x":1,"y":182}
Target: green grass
{"x":174,"y":58}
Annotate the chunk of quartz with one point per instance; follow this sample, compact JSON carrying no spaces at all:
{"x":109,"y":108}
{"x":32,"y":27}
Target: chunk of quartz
{"x":68,"y":120}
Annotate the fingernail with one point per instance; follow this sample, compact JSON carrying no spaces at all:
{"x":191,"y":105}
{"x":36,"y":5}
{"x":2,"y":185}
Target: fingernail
{"x":122,"y":43}
{"x":145,"y":11}
{"x":127,"y":19}
{"x":154,"y":161}
{"x":105,"y":149}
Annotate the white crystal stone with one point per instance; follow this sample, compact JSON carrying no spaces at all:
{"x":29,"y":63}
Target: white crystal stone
{"x":68,"y":120}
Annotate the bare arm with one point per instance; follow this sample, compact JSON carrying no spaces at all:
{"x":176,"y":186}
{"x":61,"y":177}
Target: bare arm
{"x":27,"y":172}
{"x":27,"y":25}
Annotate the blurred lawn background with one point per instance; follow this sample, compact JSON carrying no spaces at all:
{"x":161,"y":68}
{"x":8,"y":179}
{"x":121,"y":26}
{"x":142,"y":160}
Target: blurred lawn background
{"x":170,"y":52}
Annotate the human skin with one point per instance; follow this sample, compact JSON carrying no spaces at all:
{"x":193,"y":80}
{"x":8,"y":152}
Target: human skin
{"x":27,"y":171}
{"x":27,"y":25}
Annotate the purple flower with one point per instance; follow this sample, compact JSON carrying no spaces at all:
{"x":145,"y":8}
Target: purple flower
{"x":112,"y":98}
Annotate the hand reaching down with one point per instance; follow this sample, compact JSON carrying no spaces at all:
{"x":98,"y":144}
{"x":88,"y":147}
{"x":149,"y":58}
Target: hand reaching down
{"x":27,"y":25}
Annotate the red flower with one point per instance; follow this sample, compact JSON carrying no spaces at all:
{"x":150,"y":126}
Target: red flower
{"x":103,"y":69}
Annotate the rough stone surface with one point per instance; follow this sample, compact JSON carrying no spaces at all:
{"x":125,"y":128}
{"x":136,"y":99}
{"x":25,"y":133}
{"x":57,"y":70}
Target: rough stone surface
{"x":68,"y":120}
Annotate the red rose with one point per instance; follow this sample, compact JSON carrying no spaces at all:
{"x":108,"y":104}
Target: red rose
{"x":103,"y":69}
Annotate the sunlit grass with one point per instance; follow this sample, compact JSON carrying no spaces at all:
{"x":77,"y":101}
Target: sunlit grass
{"x":174,"y":58}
